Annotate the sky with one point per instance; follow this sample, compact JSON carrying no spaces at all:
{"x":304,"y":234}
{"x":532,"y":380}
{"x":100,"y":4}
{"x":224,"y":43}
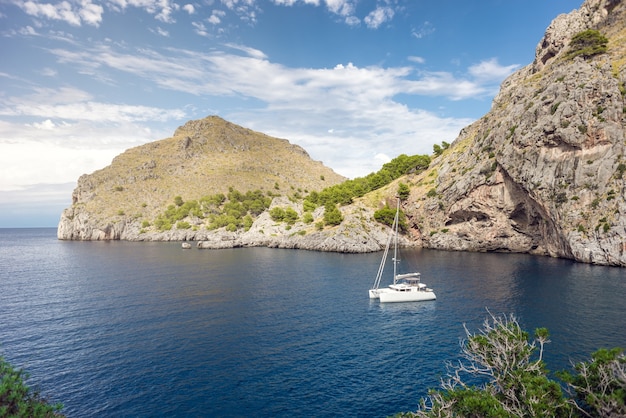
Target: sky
{"x":354,"y":82}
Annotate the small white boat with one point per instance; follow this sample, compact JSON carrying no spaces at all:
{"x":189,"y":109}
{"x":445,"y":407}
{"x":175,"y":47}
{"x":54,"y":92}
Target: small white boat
{"x":406,"y":287}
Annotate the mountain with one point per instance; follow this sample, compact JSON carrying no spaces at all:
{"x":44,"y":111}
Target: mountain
{"x":543,"y":171}
{"x":204,"y":157}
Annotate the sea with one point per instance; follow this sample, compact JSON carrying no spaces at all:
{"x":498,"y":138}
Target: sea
{"x":130,"y":329}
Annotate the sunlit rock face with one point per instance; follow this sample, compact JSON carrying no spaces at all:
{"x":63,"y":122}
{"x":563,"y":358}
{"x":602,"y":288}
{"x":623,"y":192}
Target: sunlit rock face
{"x":543,"y":171}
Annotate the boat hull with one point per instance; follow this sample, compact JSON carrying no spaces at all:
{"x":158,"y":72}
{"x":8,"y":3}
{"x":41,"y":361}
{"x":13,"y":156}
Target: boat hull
{"x":415,"y":296}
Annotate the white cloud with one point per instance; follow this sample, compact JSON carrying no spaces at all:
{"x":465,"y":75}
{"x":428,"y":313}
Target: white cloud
{"x":162,"y":32}
{"x":491,"y":71}
{"x":200,"y":29}
{"x":416,"y":59}
{"x":295,"y":103}
{"x":189,"y":8}
{"x":426,"y":29}
{"x":27,"y":31}
{"x":90,"y":13}
{"x":378,"y":16}
{"x":341,"y":7}
{"x":73,"y":13}
{"x":161,"y":9}
{"x":352,"y":21}
{"x":216,"y":17}
{"x":69,"y":135}
{"x":49,"y":72}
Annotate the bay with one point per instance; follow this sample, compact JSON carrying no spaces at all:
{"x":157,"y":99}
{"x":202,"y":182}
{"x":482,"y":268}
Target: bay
{"x":149,"y":329}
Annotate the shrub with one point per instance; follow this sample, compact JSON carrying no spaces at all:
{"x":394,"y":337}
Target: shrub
{"x":560,"y":198}
{"x":183,"y":225}
{"x":18,"y":400}
{"x":291,"y":216}
{"x":595,"y":202}
{"x":403,"y":191}
{"x":277,"y":214}
{"x":515,"y":382}
{"x":621,"y":167}
{"x":599,"y":385}
{"x":385,"y":215}
{"x":332,"y":215}
{"x":247,"y":222}
{"x":432,"y":192}
{"x":587,"y":44}
{"x":345,"y":192}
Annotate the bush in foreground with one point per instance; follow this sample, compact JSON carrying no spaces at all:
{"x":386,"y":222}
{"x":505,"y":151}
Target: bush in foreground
{"x":502,"y":374}
{"x":18,"y":400}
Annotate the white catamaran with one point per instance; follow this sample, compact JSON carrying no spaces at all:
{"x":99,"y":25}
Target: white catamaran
{"x":406,"y":287}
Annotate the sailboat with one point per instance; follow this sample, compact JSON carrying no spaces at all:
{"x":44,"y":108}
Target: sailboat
{"x":406,"y":287}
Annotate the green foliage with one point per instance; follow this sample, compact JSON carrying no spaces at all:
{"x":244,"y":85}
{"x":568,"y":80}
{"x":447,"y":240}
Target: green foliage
{"x":183,"y":225}
{"x":291,"y":216}
{"x":222,"y":211}
{"x":403,"y":191}
{"x":224,"y":220}
{"x":432,"y":192}
{"x":277,"y":214}
{"x":515,"y":382}
{"x":599,"y":385}
{"x":437,"y":149}
{"x":344,"y":193}
{"x":332,"y":215}
{"x":587,"y":44}
{"x":18,"y":400}
{"x":307,"y":218}
{"x":595,"y":202}
{"x":386,"y":216}
{"x":621,"y":167}
{"x":502,"y":374}
{"x":560,"y":198}
{"x":247,"y":222}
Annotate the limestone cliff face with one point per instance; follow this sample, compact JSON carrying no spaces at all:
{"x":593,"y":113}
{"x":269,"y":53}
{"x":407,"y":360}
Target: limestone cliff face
{"x":543,"y":171}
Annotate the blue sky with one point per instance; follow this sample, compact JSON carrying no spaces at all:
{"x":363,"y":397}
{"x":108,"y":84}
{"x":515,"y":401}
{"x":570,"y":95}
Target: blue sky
{"x":354,"y":82}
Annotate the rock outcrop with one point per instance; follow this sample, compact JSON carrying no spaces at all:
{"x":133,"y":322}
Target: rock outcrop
{"x":543,"y":171}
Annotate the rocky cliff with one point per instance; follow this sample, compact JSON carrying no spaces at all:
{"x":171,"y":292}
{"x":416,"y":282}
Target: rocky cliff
{"x":543,"y":171}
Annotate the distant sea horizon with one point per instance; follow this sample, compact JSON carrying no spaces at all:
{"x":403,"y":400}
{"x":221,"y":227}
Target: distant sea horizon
{"x":122,"y":328}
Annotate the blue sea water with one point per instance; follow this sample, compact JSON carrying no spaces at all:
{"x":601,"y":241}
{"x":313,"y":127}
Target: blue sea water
{"x":148,"y":329}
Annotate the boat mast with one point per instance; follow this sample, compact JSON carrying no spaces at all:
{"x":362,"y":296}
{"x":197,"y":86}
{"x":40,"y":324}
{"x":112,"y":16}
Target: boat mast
{"x":395,"y":247}
{"x":381,"y":267}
